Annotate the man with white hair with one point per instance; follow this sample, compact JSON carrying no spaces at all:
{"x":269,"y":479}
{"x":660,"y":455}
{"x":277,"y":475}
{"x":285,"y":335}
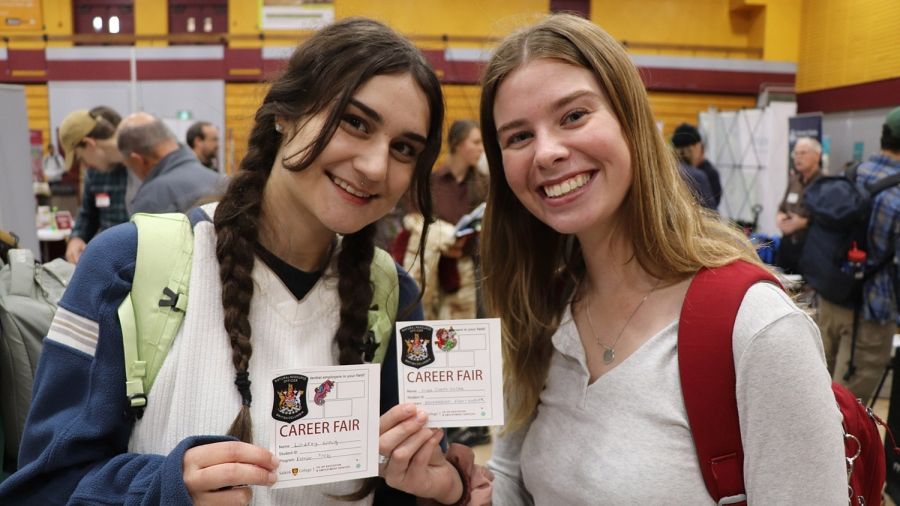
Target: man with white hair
{"x":792,"y":217}
{"x":173,"y":178}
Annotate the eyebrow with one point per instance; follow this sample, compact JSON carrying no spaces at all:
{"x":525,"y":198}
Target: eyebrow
{"x":374,"y":116}
{"x":557,"y":104}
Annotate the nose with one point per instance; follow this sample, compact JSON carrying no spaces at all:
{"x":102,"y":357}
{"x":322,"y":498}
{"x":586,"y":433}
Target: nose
{"x":549,"y":149}
{"x":372,"y":162}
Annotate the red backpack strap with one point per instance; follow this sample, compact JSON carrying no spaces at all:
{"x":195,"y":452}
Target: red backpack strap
{"x":706,"y":366}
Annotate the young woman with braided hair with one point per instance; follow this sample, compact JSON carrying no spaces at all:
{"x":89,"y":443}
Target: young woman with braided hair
{"x":285,"y":265}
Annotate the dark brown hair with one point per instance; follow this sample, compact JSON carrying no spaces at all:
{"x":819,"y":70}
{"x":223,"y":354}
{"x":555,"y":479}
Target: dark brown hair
{"x":107,"y":121}
{"x":458,"y":132}
{"x":321,"y":76}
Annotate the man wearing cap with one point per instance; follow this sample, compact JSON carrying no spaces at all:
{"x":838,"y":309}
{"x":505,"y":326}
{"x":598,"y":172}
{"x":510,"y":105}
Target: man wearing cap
{"x":879,"y":308}
{"x":689,"y":147}
{"x":89,"y":137}
{"x":172,"y":179}
{"x":792,"y":217}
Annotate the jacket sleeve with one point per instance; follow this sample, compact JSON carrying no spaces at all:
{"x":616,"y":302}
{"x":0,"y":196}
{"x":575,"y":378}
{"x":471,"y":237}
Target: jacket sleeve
{"x":88,"y":220}
{"x":75,"y":446}
{"x":407,"y":309}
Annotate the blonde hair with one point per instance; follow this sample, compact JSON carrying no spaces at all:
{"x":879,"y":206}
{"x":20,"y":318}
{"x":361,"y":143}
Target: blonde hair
{"x":529,"y":285}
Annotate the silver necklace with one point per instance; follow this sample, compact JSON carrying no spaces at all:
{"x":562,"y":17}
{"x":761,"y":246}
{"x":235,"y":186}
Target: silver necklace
{"x":609,"y":351}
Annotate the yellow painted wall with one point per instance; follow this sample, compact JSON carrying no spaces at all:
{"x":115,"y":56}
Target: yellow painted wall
{"x":58,"y":20}
{"x":151,"y":17}
{"x":461,"y":18}
{"x":243,"y":19}
{"x":676,"y":108}
{"x":241,"y":102}
{"x":37,"y":107}
{"x":846,"y":42}
{"x":781,"y":41}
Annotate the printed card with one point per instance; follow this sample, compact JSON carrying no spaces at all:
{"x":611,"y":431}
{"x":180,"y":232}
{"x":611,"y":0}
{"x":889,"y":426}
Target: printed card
{"x":326,"y":424}
{"x":452,"y":369}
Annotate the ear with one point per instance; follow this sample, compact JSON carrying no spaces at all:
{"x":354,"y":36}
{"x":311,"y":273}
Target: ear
{"x":89,"y":142}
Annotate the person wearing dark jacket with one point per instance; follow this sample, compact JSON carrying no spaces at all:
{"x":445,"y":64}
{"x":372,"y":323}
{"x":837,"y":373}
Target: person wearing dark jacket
{"x":700,"y":174}
{"x":173,"y":179}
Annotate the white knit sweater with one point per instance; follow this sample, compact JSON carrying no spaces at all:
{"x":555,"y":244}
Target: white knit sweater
{"x":194,"y":393}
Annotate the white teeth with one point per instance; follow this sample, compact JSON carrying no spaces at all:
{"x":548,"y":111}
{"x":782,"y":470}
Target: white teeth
{"x":349,"y":189}
{"x":567,"y":186}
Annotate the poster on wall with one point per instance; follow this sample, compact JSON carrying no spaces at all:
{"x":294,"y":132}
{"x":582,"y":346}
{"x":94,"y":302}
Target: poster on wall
{"x":21,"y":15}
{"x":803,"y":125}
{"x":296,"y":14}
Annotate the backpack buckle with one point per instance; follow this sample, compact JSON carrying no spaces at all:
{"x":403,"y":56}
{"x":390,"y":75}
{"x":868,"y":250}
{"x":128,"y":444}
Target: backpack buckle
{"x":170,"y":299}
{"x":136,"y":405}
{"x":733,"y":499}
{"x":368,"y":347}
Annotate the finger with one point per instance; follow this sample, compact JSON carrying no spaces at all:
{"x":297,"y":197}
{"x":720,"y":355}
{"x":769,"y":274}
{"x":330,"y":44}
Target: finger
{"x":226,"y":476}
{"x":437,"y":456}
{"x":405,"y":451}
{"x":239,"y":496}
{"x":395,"y":415}
{"x":429,"y":453}
{"x":212,"y":454}
{"x":389,"y":440}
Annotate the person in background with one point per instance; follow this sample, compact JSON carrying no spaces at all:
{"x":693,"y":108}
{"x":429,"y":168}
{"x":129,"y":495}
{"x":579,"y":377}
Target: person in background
{"x":203,"y":138}
{"x":792,"y":217}
{"x":173,"y":180}
{"x":280,"y":279}
{"x":88,"y":137}
{"x":689,"y":147}
{"x":878,"y":316}
{"x":589,"y":244}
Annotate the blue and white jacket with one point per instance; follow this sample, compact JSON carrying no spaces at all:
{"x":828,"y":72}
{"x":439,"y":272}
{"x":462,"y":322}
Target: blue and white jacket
{"x":75,"y":449}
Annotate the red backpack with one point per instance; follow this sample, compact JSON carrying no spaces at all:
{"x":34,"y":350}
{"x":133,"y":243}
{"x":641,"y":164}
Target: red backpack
{"x":707,"y":373}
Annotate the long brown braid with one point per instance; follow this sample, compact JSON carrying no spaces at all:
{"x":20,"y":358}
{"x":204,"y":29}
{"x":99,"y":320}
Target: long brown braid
{"x":321,"y":76}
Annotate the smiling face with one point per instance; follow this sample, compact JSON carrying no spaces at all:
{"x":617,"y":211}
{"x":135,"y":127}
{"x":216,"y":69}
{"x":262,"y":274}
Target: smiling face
{"x":564,"y":155}
{"x":366,"y":166}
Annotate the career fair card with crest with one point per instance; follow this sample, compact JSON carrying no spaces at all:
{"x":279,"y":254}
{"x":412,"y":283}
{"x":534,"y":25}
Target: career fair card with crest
{"x":452,"y":369}
{"x":326,"y":423}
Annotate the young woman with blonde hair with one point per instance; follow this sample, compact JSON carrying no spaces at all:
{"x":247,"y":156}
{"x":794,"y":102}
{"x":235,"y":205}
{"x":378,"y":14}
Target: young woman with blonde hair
{"x":590,"y":242}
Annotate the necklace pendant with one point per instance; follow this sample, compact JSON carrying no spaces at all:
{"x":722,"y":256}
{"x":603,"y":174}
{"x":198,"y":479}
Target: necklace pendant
{"x":609,"y":355}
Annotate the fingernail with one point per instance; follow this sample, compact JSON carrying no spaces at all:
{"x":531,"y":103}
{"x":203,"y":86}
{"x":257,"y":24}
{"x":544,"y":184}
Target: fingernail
{"x":409,"y":409}
{"x":422,"y":416}
{"x":273,"y":477}
{"x":275,"y":462}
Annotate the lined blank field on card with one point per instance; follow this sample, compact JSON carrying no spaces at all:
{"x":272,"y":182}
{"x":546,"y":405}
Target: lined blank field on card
{"x":473,"y":342}
{"x":337,"y":408}
{"x":461,"y":359}
{"x":350,"y":389}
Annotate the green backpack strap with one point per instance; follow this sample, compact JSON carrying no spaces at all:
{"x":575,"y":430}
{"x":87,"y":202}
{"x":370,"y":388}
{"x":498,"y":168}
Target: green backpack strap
{"x":151,"y":314}
{"x":385,"y":298}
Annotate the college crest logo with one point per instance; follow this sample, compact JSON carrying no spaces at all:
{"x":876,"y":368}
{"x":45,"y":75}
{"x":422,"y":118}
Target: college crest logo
{"x":289,"y":403}
{"x":417,"y":351}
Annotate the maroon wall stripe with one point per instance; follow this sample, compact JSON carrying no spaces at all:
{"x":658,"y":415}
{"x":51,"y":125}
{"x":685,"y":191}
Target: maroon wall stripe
{"x":88,"y":70}
{"x":711,"y":81}
{"x":180,"y":69}
{"x":884,"y":93}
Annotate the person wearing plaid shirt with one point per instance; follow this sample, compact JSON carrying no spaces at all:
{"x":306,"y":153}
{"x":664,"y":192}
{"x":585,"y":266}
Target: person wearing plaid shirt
{"x":89,"y":137}
{"x":102,"y":202}
{"x":878,"y":318}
